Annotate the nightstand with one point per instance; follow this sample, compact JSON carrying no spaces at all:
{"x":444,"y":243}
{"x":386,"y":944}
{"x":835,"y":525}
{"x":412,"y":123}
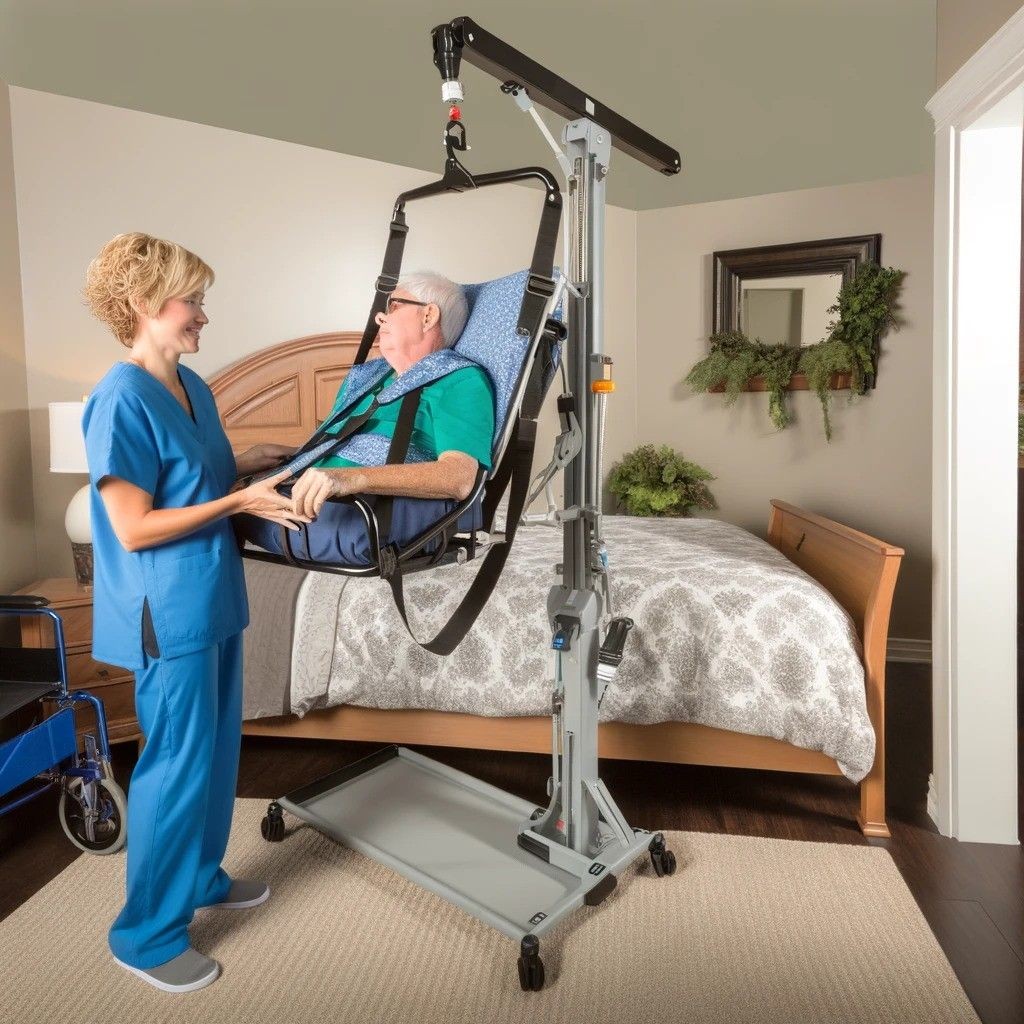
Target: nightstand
{"x":114,"y":686}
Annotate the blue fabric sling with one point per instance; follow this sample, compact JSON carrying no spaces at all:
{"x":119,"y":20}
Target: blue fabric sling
{"x":373,"y":530}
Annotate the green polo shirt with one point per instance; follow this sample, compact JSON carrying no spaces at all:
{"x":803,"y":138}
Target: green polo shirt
{"x":456,"y":413}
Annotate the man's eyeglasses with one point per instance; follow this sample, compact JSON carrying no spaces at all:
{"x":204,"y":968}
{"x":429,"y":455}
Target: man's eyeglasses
{"x":393,"y":304}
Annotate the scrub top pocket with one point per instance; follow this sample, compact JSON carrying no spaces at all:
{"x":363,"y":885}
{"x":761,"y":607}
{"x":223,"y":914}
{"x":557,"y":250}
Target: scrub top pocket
{"x":191,"y":599}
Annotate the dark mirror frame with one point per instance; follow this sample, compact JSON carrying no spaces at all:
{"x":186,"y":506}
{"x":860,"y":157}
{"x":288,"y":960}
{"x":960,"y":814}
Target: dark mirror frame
{"x":825,"y":256}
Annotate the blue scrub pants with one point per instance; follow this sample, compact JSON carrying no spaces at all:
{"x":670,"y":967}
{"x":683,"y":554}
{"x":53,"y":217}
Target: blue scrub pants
{"x":181,"y":798}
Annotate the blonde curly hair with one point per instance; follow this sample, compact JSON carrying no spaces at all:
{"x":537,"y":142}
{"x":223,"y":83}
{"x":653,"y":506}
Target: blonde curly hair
{"x":136,"y":273}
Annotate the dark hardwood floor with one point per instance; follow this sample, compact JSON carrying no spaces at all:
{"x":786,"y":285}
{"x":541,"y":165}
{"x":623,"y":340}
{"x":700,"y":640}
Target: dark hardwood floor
{"x":971,"y":894}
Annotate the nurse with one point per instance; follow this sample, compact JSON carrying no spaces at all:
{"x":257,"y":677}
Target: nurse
{"x":169,"y":597}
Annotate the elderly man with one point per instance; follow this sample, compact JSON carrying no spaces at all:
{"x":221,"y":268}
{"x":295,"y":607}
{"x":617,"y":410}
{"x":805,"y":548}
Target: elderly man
{"x":451,"y":436}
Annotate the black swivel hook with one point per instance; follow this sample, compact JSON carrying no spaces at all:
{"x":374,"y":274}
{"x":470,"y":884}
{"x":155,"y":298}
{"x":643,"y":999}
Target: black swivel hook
{"x":456,"y":177}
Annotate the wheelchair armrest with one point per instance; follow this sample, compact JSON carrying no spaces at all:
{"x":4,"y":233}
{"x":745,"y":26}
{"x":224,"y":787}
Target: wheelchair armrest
{"x":19,"y":602}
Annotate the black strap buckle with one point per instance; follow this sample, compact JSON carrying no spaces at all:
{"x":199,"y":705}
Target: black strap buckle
{"x":555,"y":330}
{"x":386,"y":284}
{"x":388,"y":561}
{"x":538,"y":284}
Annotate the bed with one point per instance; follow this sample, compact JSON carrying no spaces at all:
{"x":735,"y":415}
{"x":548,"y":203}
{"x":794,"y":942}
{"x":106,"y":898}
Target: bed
{"x":282,"y":392}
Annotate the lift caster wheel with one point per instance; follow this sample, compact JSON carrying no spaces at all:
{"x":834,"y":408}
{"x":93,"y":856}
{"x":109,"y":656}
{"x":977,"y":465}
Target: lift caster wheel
{"x":531,"y":967}
{"x":272,"y":825}
{"x":662,"y":859}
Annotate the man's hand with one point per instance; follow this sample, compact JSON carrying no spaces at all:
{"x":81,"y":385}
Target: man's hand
{"x":315,"y":486}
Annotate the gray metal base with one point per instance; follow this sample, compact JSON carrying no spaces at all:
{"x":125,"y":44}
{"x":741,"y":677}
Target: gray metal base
{"x":459,"y":837}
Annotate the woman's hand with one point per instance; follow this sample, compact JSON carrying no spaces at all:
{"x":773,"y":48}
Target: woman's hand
{"x":262,"y":499}
{"x":262,"y":456}
{"x":315,"y":486}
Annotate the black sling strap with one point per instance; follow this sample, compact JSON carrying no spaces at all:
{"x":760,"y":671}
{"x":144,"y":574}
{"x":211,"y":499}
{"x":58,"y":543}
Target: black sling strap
{"x":472,"y":604}
{"x":499,"y":482}
{"x":318,"y":447}
{"x":386,"y":283}
{"x":337,"y":416}
{"x":540,"y":285}
{"x":533,"y":399}
{"x":396,"y":454}
{"x":350,"y":428}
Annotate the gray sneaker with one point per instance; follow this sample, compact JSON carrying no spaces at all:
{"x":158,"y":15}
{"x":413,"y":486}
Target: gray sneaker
{"x":187,"y":972}
{"x":244,"y":892}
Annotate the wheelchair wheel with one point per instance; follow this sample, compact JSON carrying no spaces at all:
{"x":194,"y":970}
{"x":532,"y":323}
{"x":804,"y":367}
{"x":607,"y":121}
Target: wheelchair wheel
{"x":108,"y":830}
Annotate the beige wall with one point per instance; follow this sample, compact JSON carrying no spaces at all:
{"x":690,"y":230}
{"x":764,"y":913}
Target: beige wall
{"x":876,"y":473}
{"x":17,"y":538}
{"x":296,"y":236}
{"x":963,"y":27}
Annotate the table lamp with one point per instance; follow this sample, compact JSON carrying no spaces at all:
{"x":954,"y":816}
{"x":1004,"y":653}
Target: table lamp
{"x":67,"y":455}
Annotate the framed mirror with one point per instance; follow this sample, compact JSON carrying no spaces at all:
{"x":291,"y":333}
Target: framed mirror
{"x":781,"y":293}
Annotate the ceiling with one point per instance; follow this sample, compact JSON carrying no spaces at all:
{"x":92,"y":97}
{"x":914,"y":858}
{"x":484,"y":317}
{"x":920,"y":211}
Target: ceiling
{"x":757,"y":95}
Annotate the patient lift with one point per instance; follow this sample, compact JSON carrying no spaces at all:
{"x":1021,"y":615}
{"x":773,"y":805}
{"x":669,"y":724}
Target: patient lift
{"x":515,"y":866}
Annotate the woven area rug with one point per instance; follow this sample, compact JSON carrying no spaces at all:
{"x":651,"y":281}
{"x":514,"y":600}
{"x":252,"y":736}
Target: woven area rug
{"x":749,"y":930}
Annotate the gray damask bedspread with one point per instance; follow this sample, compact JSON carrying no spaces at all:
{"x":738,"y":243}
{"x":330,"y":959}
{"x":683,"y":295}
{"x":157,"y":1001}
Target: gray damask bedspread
{"x":729,"y":634}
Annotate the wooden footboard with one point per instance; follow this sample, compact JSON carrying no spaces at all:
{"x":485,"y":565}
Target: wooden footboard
{"x":858,"y":570}
{"x":860,"y":573}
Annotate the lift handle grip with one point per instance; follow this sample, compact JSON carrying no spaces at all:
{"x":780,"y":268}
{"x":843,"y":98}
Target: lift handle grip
{"x":615,"y":641}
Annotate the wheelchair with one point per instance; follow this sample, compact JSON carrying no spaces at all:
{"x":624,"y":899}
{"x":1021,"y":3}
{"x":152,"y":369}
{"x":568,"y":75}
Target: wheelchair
{"x":93,"y":807}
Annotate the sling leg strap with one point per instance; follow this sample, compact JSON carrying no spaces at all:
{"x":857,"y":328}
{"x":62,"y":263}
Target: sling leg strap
{"x":320,"y":446}
{"x":453,"y":632}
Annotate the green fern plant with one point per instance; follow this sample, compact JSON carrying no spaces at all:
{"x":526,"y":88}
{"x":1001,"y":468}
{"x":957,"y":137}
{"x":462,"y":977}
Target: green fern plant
{"x":734,"y":359}
{"x":655,"y":480}
{"x":818,"y":363}
{"x":865,"y":309}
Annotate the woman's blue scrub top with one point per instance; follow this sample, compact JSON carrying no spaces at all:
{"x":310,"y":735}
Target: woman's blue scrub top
{"x":137,"y":430}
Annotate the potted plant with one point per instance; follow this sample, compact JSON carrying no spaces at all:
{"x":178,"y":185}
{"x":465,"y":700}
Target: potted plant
{"x":655,"y":480}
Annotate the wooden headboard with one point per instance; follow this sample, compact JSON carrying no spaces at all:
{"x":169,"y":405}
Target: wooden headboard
{"x":283,"y":392}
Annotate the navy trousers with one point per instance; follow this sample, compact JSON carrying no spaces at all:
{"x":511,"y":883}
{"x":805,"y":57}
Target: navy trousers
{"x":338,"y":534}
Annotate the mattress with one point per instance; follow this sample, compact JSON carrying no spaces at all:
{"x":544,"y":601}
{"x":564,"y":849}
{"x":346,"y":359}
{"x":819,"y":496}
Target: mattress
{"x":729,"y":634}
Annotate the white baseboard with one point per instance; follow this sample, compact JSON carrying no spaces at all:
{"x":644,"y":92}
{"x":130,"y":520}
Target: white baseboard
{"x":906,"y":649}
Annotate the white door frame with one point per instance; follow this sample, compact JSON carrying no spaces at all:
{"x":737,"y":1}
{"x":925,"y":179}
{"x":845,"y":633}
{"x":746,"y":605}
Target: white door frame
{"x":979,"y":116}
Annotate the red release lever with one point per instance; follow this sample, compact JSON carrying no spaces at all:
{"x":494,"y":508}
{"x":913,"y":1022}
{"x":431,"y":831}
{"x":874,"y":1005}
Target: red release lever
{"x":455,"y":114}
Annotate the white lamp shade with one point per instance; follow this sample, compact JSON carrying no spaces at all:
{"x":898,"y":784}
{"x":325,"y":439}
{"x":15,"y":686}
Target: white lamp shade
{"x":67,"y":442}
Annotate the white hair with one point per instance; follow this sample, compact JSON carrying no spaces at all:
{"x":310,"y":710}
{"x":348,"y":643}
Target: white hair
{"x":449,"y":298}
